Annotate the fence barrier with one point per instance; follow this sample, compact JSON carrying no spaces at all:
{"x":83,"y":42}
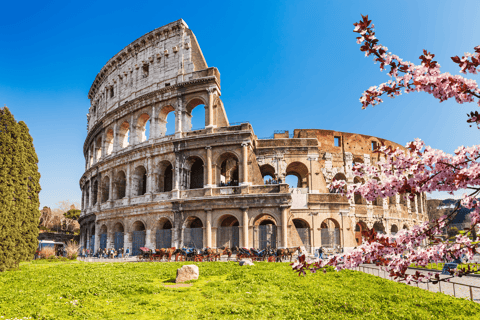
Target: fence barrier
{"x":371,"y":270}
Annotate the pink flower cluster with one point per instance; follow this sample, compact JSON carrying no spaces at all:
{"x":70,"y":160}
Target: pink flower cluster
{"x":417,"y":169}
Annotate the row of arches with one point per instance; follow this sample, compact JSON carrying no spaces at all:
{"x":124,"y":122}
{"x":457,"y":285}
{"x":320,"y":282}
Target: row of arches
{"x":161,"y":178}
{"x":377,"y":226}
{"x":296,"y":175}
{"x":161,"y":235}
{"x":140,"y":128}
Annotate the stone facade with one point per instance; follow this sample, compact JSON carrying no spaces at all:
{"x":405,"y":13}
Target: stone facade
{"x":205,"y":188}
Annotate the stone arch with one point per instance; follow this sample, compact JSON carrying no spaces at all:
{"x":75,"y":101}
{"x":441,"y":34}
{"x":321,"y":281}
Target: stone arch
{"x":228,"y":220}
{"x":189,"y":107}
{"x":98,"y":148}
{"x":264,"y":219}
{"x":105,"y":189}
{"x":124,"y":134}
{"x":405,"y":227}
{"x":339,"y":176}
{"x":379,"y":227}
{"x":330,"y":233}
{"x":357,"y":197}
{"x":163,"y":234}
{"x":228,"y":234}
{"x":228,"y":165}
{"x":356,"y":143}
{"x":138,"y":236}
{"x":193,"y":222}
{"x":299,"y":170}
{"x":268,"y":173}
{"x":139,"y":225}
{"x":162,"y":120}
{"x":359,"y":228}
{"x":120,"y":185}
{"x":109,"y":142}
{"x":103,"y":229}
{"x":195,"y":177}
{"x":141,"y":126}
{"x":394,"y":229}
{"x":118,"y":236}
{"x":164,"y":175}
{"x":139,"y":181}
{"x":302,"y":235}
{"x":95,"y":192}
{"x":118,"y":227}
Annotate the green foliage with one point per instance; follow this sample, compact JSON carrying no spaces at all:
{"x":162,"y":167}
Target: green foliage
{"x":72,"y":214}
{"x":19,"y":187}
{"x":77,"y":290}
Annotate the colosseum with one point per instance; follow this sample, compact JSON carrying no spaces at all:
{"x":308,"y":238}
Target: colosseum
{"x":219,"y":185}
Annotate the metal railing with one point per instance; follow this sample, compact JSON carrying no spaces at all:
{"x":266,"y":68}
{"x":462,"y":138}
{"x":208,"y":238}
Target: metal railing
{"x":430,"y":287}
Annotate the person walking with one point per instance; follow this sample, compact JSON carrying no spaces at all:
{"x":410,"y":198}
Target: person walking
{"x":320,"y":253}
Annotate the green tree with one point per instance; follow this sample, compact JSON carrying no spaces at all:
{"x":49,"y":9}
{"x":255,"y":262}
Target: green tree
{"x":19,"y":188}
{"x":73,"y":214}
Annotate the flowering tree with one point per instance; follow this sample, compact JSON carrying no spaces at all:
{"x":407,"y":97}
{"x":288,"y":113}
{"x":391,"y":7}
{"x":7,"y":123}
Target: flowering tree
{"x":417,"y":169}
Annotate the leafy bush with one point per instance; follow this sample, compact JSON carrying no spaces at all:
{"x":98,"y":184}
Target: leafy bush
{"x":72,"y":250}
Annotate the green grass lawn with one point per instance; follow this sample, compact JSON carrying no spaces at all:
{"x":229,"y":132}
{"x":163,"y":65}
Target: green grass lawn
{"x":77,"y":290}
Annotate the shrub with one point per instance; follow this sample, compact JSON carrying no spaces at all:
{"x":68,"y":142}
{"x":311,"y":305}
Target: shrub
{"x":46,"y":252}
{"x":72,"y":250}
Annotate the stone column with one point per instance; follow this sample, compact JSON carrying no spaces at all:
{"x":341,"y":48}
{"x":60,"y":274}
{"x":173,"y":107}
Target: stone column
{"x":209,"y":227}
{"x":244,"y":162}
{"x":115,"y":138}
{"x":178,"y":118}
{"x":149,"y":175}
{"x":128,"y":183}
{"x":90,"y":195}
{"x":209,"y":168}
{"x":209,"y":114}
{"x":110,"y":186}
{"x":126,"y":242}
{"x":133,"y":132}
{"x":97,"y":239}
{"x":148,"y":240}
{"x":153,"y":124}
{"x":245,"y":243}
{"x":284,"y":227}
{"x":104,"y":150}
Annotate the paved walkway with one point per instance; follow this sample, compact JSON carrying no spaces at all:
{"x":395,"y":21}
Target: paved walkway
{"x":465,"y":287}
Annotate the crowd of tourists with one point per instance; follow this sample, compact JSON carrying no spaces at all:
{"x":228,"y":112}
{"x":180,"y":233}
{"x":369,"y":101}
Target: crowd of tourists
{"x":105,"y":253}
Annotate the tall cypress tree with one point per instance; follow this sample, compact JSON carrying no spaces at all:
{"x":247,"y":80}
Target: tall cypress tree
{"x":19,"y":187}
{"x":31,"y":179}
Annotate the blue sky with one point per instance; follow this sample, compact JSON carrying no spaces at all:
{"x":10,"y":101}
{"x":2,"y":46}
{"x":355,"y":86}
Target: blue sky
{"x":283,"y":65}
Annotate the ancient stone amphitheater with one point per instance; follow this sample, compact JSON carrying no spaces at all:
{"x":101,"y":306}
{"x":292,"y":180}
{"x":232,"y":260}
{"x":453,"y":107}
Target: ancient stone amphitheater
{"x":219,"y":185}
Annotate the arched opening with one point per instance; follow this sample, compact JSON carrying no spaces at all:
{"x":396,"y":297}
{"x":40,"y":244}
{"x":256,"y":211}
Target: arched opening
{"x":90,"y":161}
{"x":138,"y":237}
{"x":359,"y":228}
{"x":105,"y":189}
{"x":95,"y":192}
{"x":302,"y":236}
{"x":268,"y":174}
{"x":92,"y":239}
{"x":193,"y":233}
{"x":98,"y":149}
{"x":228,"y":234}
{"x":164,"y":174}
{"x":168,"y":178}
{"x":338,"y":177}
{"x":118,"y":236}
{"x":120,"y":185}
{"x":109,"y":142}
{"x":405,"y":227}
{"x":103,"y":237}
{"x":229,"y":165}
{"x":265,"y":232}
{"x":299,"y":171}
{"x":379,"y":228}
{"x":164,"y":234}
{"x":139,"y":181}
{"x":166,"y":121}
{"x":330,"y":233}
{"x":124,"y":135}
{"x":195,"y":176}
{"x":393,"y":230}
{"x":357,"y":197}
{"x":195,"y":115}
{"x":87,"y":195}
{"x":143,"y":126}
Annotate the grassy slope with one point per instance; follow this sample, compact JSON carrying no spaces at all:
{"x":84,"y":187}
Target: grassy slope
{"x":224,"y":290}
